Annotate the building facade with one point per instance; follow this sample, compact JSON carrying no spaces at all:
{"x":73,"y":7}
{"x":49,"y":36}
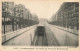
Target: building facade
{"x":68,"y":15}
{"x":15,"y":16}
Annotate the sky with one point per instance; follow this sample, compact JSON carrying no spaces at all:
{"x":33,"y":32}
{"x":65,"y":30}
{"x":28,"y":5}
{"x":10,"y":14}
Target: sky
{"x":42,"y":8}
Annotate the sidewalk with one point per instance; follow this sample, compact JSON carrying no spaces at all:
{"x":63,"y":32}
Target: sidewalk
{"x":10,"y":35}
{"x":73,"y":31}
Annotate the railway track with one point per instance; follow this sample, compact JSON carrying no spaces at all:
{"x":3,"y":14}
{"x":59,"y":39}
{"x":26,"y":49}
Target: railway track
{"x":41,"y":41}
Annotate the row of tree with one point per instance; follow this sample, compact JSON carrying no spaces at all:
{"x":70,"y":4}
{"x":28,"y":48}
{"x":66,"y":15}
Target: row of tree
{"x":16,"y":15}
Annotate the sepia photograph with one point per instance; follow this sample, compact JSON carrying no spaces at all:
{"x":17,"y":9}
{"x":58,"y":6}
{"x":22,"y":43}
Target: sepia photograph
{"x":37,"y":23}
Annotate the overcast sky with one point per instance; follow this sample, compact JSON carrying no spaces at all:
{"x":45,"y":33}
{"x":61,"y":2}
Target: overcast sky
{"x":43,"y":8}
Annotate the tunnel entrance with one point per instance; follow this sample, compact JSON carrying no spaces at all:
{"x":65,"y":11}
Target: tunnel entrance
{"x":41,"y":38}
{"x":40,"y":31}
